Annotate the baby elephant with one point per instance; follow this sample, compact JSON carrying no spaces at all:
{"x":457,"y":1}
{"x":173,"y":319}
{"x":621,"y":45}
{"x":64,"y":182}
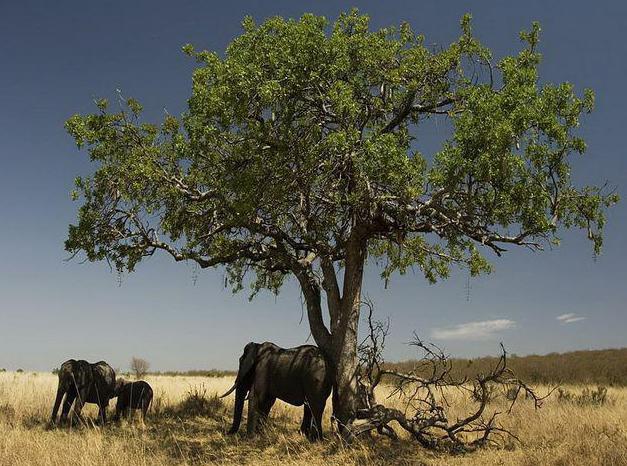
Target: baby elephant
{"x":132,"y":395}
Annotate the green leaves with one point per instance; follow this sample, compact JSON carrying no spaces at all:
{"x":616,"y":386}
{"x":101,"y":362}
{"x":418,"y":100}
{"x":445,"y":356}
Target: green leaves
{"x":134,"y":106}
{"x":301,"y":137}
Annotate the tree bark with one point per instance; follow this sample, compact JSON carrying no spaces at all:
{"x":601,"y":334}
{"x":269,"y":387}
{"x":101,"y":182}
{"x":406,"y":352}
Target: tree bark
{"x":345,"y":335}
{"x":345,"y":368}
{"x":339,"y":344}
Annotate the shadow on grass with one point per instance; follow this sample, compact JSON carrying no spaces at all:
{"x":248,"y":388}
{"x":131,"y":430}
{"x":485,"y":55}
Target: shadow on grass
{"x":203,"y":439}
{"x":194,"y":432}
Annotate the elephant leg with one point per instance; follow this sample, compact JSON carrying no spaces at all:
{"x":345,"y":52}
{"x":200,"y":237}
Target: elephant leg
{"x":315,"y":433}
{"x":81,"y":398}
{"x":67,"y":404}
{"x":118,"y":412}
{"x":145,"y":405}
{"x":102,"y":414}
{"x":78,"y":408}
{"x":253,"y":412}
{"x":57,"y":403}
{"x":264,"y":411}
{"x":240,"y":395}
{"x":305,"y":426}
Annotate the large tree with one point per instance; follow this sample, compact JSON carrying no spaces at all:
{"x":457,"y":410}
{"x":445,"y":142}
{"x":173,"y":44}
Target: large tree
{"x":297,"y":156}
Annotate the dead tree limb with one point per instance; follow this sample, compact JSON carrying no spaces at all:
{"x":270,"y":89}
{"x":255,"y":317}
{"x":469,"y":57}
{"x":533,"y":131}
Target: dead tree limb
{"x":423,"y":394}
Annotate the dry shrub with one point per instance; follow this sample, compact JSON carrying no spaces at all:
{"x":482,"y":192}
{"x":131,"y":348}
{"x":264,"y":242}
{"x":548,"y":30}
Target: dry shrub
{"x":139,"y":367}
{"x":588,"y":396}
{"x":7,"y":413}
{"x":196,"y":402}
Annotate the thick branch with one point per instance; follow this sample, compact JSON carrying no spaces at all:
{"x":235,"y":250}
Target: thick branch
{"x":410,"y":107}
{"x":332,"y":289}
{"x":311,"y":292}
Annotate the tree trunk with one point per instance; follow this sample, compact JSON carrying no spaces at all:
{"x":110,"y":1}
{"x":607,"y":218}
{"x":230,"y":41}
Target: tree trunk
{"x":340,"y":343}
{"x":345,"y":367}
{"x":345,"y":334}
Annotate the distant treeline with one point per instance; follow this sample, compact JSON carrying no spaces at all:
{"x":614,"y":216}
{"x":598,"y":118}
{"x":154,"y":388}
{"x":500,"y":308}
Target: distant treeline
{"x":604,"y":367}
{"x":196,"y":373}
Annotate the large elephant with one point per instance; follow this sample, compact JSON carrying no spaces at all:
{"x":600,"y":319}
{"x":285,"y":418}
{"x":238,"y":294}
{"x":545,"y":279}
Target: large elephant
{"x":84,"y":382}
{"x":299,"y":376}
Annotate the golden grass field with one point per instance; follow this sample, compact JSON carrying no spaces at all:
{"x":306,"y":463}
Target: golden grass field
{"x":559,"y":433}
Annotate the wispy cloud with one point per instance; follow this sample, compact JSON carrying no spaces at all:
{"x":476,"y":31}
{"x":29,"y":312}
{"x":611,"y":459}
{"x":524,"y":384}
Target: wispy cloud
{"x":569,"y":318}
{"x":472,"y":330}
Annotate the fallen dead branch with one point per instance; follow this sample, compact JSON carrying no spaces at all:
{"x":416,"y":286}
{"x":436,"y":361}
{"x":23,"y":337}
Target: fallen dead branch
{"x":423,"y":395}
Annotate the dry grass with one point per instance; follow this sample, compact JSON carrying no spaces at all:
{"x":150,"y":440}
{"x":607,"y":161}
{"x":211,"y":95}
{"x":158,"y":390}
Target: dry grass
{"x":180,"y":431}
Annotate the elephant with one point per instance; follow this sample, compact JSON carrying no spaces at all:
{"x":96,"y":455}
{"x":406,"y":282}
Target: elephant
{"x":132,"y":395}
{"x":299,"y":376}
{"x":86,"y":383}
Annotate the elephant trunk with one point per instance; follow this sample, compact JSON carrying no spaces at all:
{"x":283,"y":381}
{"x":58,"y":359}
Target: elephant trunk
{"x":240,"y":396}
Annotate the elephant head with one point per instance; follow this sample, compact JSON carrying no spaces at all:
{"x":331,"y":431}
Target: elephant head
{"x":246,"y":365}
{"x":243,"y":382}
{"x":119,"y":385}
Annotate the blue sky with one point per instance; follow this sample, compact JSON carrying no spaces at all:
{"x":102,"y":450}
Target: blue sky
{"x":56,"y":57}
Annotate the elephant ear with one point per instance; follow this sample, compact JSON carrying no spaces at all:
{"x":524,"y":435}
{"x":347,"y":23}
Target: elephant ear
{"x":246,"y":364}
{"x":248,"y":360}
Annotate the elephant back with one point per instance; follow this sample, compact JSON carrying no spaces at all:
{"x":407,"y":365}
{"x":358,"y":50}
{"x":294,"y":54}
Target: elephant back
{"x":103,"y":380}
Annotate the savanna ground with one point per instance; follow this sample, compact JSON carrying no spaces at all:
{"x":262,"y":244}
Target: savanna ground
{"x":187,"y":425}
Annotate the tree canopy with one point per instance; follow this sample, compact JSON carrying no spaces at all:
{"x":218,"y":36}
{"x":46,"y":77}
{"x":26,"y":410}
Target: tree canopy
{"x":302,"y":132}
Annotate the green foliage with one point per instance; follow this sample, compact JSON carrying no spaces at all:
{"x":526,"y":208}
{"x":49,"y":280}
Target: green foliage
{"x":302,"y":137}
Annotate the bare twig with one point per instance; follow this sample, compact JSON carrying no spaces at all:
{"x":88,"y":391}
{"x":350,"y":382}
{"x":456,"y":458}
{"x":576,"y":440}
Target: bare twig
{"x":422,"y":392}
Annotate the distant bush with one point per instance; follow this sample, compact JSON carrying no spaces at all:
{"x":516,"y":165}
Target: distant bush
{"x":3,"y":370}
{"x":19,"y":371}
{"x":55,"y":371}
{"x":139,"y":367}
{"x":586,"y":397}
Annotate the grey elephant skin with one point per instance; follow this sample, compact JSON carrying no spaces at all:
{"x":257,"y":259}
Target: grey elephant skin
{"x":132,"y":395}
{"x":83,"y":382}
{"x":299,"y":376}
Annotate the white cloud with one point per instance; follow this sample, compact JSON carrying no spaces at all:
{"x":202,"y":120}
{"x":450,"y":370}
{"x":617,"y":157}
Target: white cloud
{"x":569,"y":318}
{"x":472,"y":330}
